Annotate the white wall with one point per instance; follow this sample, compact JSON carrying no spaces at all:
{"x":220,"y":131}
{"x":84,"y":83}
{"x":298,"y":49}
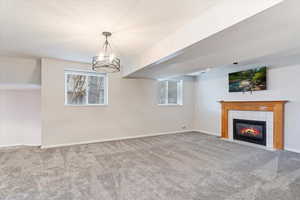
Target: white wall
{"x":283,"y":84}
{"x":20,"y":122}
{"x":132,"y":109}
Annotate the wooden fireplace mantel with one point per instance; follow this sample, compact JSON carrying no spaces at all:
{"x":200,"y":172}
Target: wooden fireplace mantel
{"x":277,"y":107}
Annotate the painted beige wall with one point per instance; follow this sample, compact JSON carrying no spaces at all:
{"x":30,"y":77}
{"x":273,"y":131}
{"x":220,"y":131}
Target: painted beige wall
{"x":15,"y":70}
{"x":20,"y":114}
{"x":132,"y":109}
{"x":20,"y":117}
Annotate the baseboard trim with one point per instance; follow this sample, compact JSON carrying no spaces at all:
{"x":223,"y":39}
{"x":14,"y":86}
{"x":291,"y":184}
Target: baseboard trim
{"x":114,"y":139}
{"x":292,"y":150}
{"x":9,"y":145}
{"x":18,"y":145}
{"x":207,"y":132}
{"x":121,"y":138}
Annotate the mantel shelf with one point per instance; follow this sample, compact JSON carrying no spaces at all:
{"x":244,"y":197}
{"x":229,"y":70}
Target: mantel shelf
{"x":271,"y":101}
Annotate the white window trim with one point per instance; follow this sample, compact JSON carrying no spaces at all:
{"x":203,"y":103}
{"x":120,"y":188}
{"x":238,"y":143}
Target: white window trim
{"x":179,"y":93}
{"x":91,"y":73}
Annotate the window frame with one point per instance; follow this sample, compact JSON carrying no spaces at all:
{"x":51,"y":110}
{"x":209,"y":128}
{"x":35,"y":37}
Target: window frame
{"x":179,"y":93}
{"x":85,"y":73}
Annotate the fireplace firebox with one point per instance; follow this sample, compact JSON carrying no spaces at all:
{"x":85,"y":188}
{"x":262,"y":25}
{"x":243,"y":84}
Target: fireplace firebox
{"x":250,"y":131}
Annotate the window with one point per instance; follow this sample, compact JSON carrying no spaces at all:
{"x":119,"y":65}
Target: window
{"x":85,"y":88}
{"x":170,"y":92}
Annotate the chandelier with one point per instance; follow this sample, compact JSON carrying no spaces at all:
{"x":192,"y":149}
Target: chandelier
{"x":106,"y":61}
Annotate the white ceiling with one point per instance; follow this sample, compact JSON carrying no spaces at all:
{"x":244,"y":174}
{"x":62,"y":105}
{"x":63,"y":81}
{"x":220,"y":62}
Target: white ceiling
{"x":70,"y":29}
{"x":270,"y":38}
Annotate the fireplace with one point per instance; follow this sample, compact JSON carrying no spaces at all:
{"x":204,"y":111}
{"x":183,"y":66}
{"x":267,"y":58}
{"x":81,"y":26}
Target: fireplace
{"x":250,"y":131}
{"x":274,"y":136}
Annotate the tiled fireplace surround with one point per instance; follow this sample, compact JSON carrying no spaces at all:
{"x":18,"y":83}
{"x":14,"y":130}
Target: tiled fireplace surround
{"x":252,"y":115}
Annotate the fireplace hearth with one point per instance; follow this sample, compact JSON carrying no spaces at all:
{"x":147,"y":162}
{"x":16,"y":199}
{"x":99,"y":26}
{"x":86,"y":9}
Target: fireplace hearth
{"x":250,"y":131}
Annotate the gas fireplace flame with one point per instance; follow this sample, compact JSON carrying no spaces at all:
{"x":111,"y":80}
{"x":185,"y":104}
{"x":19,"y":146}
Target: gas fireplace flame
{"x":250,"y":131}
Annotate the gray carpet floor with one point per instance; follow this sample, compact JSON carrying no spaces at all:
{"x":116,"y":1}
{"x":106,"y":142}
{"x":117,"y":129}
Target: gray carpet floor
{"x":189,"y":166}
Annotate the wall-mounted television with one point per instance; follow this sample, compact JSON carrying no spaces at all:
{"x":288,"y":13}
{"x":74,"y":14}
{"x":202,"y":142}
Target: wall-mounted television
{"x":248,"y":80}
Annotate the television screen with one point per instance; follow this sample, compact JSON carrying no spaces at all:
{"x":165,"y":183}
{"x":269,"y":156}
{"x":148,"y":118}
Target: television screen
{"x":248,"y":80}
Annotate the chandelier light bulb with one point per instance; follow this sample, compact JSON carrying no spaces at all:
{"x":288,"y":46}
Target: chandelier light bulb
{"x":101,"y":56}
{"x":111,"y":57}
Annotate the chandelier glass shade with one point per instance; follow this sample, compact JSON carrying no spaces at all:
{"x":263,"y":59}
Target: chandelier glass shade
{"x":106,"y":61}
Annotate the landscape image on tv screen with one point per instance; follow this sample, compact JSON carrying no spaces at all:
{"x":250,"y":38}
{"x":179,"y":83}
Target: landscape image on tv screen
{"x":248,"y":80}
